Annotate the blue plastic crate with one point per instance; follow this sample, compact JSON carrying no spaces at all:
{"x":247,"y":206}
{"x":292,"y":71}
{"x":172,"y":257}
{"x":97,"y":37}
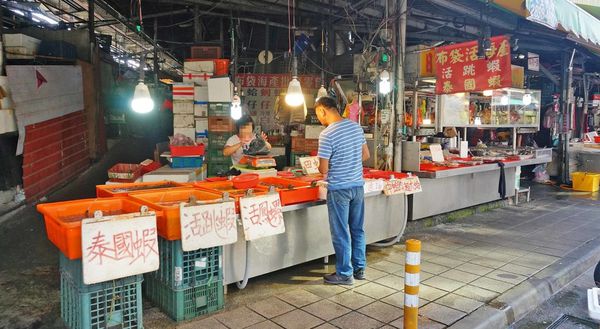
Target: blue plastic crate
{"x":187,"y":303}
{"x":187,"y":162}
{"x":111,"y":304}
{"x":184,"y":269}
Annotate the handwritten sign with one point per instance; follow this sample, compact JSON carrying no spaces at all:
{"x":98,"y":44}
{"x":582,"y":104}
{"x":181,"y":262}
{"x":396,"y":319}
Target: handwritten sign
{"x":408,"y":185}
{"x":261,"y":216}
{"x":310,"y":165}
{"x":437,"y":155}
{"x":209,"y":225}
{"x":115,"y":247}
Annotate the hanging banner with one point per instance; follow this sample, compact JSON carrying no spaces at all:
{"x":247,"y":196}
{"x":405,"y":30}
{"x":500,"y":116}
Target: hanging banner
{"x":119,"y":246}
{"x":261,"y":216}
{"x":208,"y":225}
{"x":459,"y":69}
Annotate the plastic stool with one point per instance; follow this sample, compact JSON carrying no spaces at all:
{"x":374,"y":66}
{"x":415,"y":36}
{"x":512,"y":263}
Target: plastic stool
{"x":522,"y":190}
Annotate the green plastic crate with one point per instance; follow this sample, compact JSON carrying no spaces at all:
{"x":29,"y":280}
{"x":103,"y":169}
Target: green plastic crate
{"x":294,"y":156}
{"x":111,"y":304}
{"x":188,"y":303}
{"x":218,"y":140}
{"x":216,"y":168}
{"x":216,"y":156}
{"x":219,"y":109}
{"x":184,"y":269}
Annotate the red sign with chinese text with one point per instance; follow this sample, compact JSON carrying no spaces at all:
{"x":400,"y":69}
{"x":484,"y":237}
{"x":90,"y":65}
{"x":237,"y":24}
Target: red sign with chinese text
{"x":460,"y":70}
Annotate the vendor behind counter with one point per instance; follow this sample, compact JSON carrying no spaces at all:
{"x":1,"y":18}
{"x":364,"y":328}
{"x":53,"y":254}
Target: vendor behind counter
{"x":240,"y":142}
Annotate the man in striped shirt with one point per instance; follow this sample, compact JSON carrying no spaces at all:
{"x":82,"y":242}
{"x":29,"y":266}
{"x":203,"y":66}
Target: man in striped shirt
{"x":342,"y":149}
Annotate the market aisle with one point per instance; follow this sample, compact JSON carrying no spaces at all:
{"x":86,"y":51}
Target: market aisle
{"x":465,"y":265}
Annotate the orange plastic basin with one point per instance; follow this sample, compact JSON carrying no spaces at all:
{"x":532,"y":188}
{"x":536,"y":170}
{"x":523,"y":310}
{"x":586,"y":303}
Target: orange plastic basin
{"x":167,"y":201}
{"x":63,"y":219}
{"x":291,"y":191}
{"x":107,"y":191}
{"x":227,"y":186}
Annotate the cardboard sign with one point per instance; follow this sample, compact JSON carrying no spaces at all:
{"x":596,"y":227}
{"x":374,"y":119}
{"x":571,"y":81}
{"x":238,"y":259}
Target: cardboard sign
{"x":261,"y":216}
{"x":115,"y":247}
{"x":408,"y":185}
{"x":310,"y":165}
{"x":209,"y":225}
{"x":437,"y":155}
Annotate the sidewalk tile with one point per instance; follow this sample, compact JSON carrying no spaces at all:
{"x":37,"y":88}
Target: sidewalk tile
{"x":265,"y":325}
{"x":352,"y":300}
{"x":324,"y":290}
{"x":477,"y":293}
{"x":326,"y":326}
{"x":386,"y":266}
{"x":460,"y":303}
{"x":397,"y":300}
{"x":460,"y":276}
{"x":240,"y":318}
{"x":446,"y":261}
{"x":506,"y":277}
{"x":326,"y":310}
{"x":373,"y":274}
{"x":441,"y":313}
{"x":423,"y":323}
{"x":382,"y":312}
{"x":517,"y":269}
{"x":392,"y":281}
{"x":444,"y":283}
{"x":270,"y":307}
{"x":430,"y":293}
{"x":375,"y":290}
{"x":488,"y":262}
{"x":207,"y":323}
{"x":297,"y":319}
{"x":299,"y":297}
{"x":475,"y":269}
{"x":433,"y":268}
{"x":491,"y":284}
{"x":354,"y":320}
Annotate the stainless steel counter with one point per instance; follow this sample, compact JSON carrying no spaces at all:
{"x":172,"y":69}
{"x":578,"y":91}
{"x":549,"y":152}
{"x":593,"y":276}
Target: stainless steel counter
{"x":478,"y":169}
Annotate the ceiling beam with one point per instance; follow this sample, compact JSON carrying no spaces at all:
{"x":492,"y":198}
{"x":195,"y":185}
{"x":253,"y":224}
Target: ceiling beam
{"x":493,"y":20}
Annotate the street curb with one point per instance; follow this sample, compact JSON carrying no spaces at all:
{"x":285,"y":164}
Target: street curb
{"x":517,"y":302}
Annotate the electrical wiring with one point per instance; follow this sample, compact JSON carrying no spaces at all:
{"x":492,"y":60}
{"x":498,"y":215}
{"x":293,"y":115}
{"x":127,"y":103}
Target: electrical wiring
{"x":319,"y":67}
{"x":194,"y":17}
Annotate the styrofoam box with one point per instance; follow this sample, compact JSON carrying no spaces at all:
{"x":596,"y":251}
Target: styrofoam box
{"x":201,"y":124}
{"x":201,"y":110}
{"x":199,"y":66}
{"x":201,"y":93}
{"x":183,"y":121}
{"x":183,"y":91}
{"x":312,"y":132}
{"x":198,"y":79}
{"x":7,"y":121}
{"x":179,"y":175}
{"x":183,"y":107}
{"x":220,"y":90}
{"x":19,"y":46}
{"x":188,"y":132}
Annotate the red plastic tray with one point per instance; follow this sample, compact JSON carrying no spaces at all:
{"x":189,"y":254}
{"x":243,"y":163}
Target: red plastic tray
{"x":384,"y":174}
{"x":181,"y":151}
{"x":291,"y":191}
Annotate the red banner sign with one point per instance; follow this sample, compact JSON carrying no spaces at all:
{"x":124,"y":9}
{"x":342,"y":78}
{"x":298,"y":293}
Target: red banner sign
{"x":460,"y":70}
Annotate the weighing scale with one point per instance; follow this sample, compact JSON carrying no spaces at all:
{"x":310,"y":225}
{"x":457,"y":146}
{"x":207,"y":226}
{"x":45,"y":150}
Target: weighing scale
{"x":258,"y":161}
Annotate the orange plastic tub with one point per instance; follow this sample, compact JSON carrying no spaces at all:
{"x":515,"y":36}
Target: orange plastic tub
{"x":227,"y":186}
{"x":63,"y":219}
{"x":167,"y":201}
{"x":291,"y":191}
{"x":107,"y":191}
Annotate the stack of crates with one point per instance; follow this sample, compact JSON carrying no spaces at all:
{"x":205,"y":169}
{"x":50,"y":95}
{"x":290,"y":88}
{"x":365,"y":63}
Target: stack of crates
{"x":220,"y":128}
{"x":111,"y":304}
{"x":188,"y":283}
{"x":183,"y":109}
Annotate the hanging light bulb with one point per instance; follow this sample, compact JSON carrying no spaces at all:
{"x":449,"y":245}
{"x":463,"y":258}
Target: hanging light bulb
{"x":477,"y":121}
{"x":488,"y":93}
{"x":385,"y":85}
{"x":427,"y":121}
{"x":322,"y":92}
{"x":142,"y":101}
{"x":526,"y":99}
{"x":236,"y":107}
{"x":294,"y":96}
{"x":504,"y":100}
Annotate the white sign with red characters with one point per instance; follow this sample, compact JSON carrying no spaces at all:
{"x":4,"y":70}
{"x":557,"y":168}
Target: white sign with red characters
{"x":208,"y":225}
{"x":310,"y":165}
{"x":261,"y":216}
{"x":119,"y":246}
{"x":408,"y":185}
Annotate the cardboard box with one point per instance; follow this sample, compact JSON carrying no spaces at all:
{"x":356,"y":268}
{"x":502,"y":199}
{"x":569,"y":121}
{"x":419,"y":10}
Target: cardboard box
{"x":183,"y":121}
{"x":20,"y":46}
{"x":183,"y":91}
{"x":518,"y":76}
{"x":201,"y":125}
{"x":201,"y":109}
{"x":311,"y":145}
{"x":197,"y":78}
{"x":220,"y":124}
{"x":198,"y":66}
{"x":188,"y":132}
{"x":297,"y":144}
{"x":201,"y":94}
{"x":312,"y":132}
{"x":220,"y":90}
{"x":183,"y":107}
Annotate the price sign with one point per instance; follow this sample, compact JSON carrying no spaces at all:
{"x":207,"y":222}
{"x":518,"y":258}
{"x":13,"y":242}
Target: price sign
{"x":310,"y":165}
{"x":408,"y":185}
{"x":261,"y":216}
{"x":208,"y":225}
{"x":393,"y":186}
{"x":115,"y":247}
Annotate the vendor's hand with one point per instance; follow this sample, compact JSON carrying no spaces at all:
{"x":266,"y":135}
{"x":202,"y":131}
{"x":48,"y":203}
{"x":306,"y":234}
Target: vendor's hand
{"x":264,"y":136}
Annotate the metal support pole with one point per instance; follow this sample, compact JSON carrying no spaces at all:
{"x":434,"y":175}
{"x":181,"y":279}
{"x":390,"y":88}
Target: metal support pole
{"x":91,"y":34}
{"x":586,"y":97}
{"x":267,"y":37}
{"x":412,"y":268}
{"x":155,"y":53}
{"x":566,"y":81}
{"x":197,"y":25}
{"x":398,"y":116}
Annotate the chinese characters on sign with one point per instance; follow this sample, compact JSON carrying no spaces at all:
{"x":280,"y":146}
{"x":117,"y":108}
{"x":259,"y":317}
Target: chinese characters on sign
{"x":206,"y":226}
{"x":408,"y":185}
{"x":310,"y":165}
{"x":262,"y":216}
{"x":460,"y":70}
{"x":118,"y":246}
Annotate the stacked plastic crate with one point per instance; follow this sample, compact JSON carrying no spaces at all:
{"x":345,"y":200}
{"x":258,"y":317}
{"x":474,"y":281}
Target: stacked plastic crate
{"x":220,"y":124}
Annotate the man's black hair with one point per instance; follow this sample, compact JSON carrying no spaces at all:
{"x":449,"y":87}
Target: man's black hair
{"x":244,"y":120}
{"x":326,"y":102}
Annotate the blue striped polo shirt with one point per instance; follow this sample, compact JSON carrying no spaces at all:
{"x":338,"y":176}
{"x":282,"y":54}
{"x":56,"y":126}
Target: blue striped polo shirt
{"x":341,"y":143}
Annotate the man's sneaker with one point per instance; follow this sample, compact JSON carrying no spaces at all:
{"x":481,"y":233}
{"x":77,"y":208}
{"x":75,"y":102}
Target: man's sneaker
{"x":334,"y":278}
{"x":359,"y":274}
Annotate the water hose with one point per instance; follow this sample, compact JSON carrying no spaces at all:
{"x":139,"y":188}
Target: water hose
{"x":396,"y":239}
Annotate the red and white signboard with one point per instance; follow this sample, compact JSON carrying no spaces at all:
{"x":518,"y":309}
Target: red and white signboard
{"x":119,"y":246}
{"x":459,"y":69}
{"x":209,"y":225}
{"x":262,"y":216}
{"x":408,"y":185}
{"x":310,"y":165}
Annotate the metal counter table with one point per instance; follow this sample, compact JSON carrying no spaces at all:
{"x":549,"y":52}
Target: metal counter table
{"x":307,"y":236}
{"x":588,"y":159}
{"x":449,"y":190}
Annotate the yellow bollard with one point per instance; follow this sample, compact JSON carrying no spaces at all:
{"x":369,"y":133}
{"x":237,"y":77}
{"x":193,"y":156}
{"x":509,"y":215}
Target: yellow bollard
{"x":412,"y":268}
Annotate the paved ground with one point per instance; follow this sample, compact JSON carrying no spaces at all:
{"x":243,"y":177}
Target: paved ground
{"x":467,"y":267}
{"x":572,"y":301}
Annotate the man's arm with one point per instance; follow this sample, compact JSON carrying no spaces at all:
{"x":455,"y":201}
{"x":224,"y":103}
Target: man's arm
{"x":365,"y":153}
{"x":323,"y":166}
